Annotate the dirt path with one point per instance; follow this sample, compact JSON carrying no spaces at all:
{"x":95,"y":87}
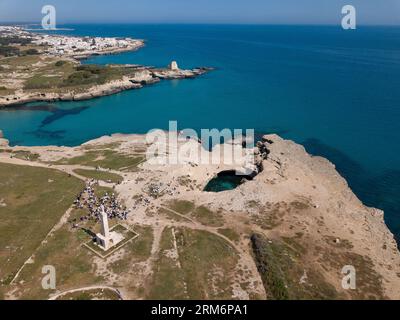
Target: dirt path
{"x":55,"y":297}
{"x":245,"y":257}
{"x":68,"y":169}
{"x":64,"y":217}
{"x":192,"y":224}
{"x":155,"y":249}
{"x":187,"y":222}
{"x":56,"y":227}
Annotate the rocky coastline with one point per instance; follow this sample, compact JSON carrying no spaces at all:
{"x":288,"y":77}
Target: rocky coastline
{"x":51,"y":49}
{"x":288,"y":229}
{"x":145,"y":76}
{"x":295,"y":203}
{"x":85,"y":55}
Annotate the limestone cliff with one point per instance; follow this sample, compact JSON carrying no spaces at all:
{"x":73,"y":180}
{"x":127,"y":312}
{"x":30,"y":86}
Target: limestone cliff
{"x":292,"y":227}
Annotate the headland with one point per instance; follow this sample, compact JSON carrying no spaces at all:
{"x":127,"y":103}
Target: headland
{"x":41,"y":67}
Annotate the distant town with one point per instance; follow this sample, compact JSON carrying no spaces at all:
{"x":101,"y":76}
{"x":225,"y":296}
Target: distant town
{"x":36,"y":67}
{"x":59,"y":45}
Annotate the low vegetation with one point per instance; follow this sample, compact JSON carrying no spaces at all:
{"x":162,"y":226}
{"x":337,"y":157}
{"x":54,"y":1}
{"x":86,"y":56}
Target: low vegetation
{"x":107,"y":159}
{"x":66,"y":74}
{"x":60,"y":63}
{"x":269,"y":216}
{"x":25,"y":155}
{"x":111,"y":145}
{"x":73,"y":264}
{"x":181,"y":206}
{"x":369,"y":282}
{"x":34,"y":199}
{"x":92,"y":74}
{"x":230,"y":234}
{"x":100,"y":175}
{"x":201,"y":214}
{"x":93,"y":294}
{"x":135,"y":251}
{"x":8,"y":51}
{"x":44,"y":74}
{"x":285,"y":275}
{"x":11,"y":46}
{"x":13,"y":40}
{"x":207,"y":217}
{"x":201,"y":266}
{"x":171,"y":215}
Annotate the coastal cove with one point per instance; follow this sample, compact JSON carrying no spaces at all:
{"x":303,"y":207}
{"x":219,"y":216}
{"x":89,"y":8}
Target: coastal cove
{"x":319,"y":86}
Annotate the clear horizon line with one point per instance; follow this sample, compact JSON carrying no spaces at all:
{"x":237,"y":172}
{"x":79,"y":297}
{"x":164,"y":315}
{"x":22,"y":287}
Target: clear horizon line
{"x":201,"y":23}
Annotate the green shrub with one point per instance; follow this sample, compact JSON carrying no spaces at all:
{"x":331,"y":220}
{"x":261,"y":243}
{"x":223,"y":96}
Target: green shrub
{"x":60,"y":63}
{"x":78,"y":78}
{"x":270,"y":268}
{"x":91,"y":74}
{"x":8,"y":51}
{"x":30,"y":52}
{"x":40,"y":82}
{"x":32,"y":85}
{"x":14,"y":40}
{"x":92,"y":68}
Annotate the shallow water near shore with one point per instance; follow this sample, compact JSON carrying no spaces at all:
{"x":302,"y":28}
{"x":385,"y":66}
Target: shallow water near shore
{"x":332,"y":90}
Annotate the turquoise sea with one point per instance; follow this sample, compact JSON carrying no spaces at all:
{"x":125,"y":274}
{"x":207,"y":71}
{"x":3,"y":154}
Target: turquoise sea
{"x":337,"y":92}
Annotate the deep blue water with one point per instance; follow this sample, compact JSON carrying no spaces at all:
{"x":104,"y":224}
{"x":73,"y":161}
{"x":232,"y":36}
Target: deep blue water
{"x":219,"y":184}
{"x":225,"y":180}
{"x":335,"y":91}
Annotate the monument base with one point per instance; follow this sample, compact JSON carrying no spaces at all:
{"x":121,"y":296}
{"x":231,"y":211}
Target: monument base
{"x":118,"y":237}
{"x":112,"y":240}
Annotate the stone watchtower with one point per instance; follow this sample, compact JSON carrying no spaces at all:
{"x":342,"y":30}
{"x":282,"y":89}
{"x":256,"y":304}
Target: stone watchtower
{"x":173,"y":66}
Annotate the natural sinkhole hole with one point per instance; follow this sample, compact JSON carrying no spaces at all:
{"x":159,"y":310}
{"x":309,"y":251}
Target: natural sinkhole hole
{"x":225,"y":180}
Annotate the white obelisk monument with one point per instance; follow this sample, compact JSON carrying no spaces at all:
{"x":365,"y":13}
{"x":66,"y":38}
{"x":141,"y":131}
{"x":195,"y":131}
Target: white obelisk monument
{"x":103,"y":238}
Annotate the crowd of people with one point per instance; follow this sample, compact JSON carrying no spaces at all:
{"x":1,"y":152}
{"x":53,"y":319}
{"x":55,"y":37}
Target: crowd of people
{"x":87,"y":199}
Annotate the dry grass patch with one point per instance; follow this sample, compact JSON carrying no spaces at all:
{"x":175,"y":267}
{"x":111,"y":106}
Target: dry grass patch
{"x":100,"y":175}
{"x":271,"y":215}
{"x":135,"y":251}
{"x":35,"y":199}
{"x":368,"y":281}
{"x":181,"y":206}
{"x":93,"y":294}
{"x":285,"y":273}
{"x":200,"y":267}
{"x":207,"y":217}
{"x":107,"y":159}
{"x":230,"y":234}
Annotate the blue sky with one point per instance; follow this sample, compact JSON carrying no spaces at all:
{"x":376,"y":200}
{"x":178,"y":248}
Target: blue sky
{"x":385,"y":12}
